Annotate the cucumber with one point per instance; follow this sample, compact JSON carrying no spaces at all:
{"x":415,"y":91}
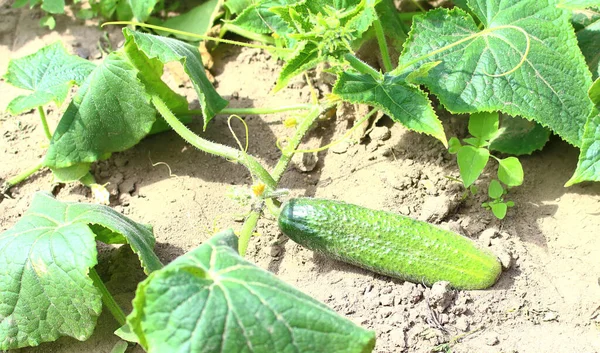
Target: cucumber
{"x":388,"y":243}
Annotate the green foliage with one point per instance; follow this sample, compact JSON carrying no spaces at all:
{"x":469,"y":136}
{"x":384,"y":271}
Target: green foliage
{"x":112,"y":111}
{"x":49,"y":73}
{"x":473,"y":157}
{"x":491,"y":69}
{"x":518,"y":136}
{"x":588,"y":37}
{"x":212,"y":298}
{"x":45,"y":291}
{"x":588,"y":167}
{"x":402,"y":101}
{"x":197,"y":20}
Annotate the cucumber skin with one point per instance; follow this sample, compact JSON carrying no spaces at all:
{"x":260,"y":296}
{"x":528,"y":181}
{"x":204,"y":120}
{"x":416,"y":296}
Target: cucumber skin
{"x":388,"y":243}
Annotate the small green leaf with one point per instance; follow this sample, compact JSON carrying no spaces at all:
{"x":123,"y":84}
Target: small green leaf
{"x":49,"y":73}
{"x":471,"y":162}
{"x":483,"y":125}
{"x":45,"y":291}
{"x":197,"y":20}
{"x":495,"y":190}
{"x":481,"y":69}
{"x":454,"y":145}
{"x":142,"y":9}
{"x":54,"y":6}
{"x":167,"y":50}
{"x":71,"y":173}
{"x":403,"y":102}
{"x":518,"y":136}
{"x":48,"y":21}
{"x":473,"y":189}
{"x":510,"y":204}
{"x":213,"y":300}
{"x":499,"y":209}
{"x":510,"y":171}
{"x":588,"y":166}
{"x":119,"y":347}
{"x":475,"y":141}
{"x":305,"y":57}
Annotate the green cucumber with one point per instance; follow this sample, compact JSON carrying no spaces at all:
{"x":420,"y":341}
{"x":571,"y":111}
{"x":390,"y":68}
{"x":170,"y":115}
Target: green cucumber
{"x":388,"y":243}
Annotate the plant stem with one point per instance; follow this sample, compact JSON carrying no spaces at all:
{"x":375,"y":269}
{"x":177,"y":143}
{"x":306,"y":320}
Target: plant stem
{"x":280,"y":167}
{"x":211,"y":147}
{"x":294,"y":142}
{"x":363,"y":67}
{"x":44,"y":122}
{"x":383,"y":48}
{"x":248,"y":229}
{"x":197,"y":36}
{"x":22,"y":176}
{"x":245,"y":33}
{"x":252,"y":111}
{"x":107,"y":299}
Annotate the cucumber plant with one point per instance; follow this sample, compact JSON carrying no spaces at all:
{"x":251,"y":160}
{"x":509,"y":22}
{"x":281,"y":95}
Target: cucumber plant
{"x":473,"y":157}
{"x":498,"y":56}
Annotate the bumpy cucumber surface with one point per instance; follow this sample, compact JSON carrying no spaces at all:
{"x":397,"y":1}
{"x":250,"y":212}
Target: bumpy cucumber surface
{"x":388,"y":243}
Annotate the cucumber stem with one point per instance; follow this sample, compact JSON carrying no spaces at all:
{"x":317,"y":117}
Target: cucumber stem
{"x":107,"y":299}
{"x":22,"y":176}
{"x":363,"y":67}
{"x":205,"y":145}
{"x":252,"y":111}
{"x":246,"y":33}
{"x":248,"y":229}
{"x":383,"y":48}
{"x":44,"y":122}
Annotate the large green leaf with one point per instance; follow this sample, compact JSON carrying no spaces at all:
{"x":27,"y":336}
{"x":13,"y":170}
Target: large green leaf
{"x":111,"y":112}
{"x":481,"y":71}
{"x":212,"y":300}
{"x":167,"y":50}
{"x":577,"y":4}
{"x":49,"y":73}
{"x":197,"y":20}
{"x":45,"y":258}
{"x":237,"y":6}
{"x":142,"y":9}
{"x":588,"y":167}
{"x":519,"y":136}
{"x":589,"y":42}
{"x":402,"y":101}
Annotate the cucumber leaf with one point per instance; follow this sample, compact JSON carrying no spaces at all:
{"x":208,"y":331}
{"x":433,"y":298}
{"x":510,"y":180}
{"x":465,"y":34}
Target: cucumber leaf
{"x":45,"y":291}
{"x":577,"y":4}
{"x":167,"y":50}
{"x":589,"y":42}
{"x":53,"y":6}
{"x":519,"y":136}
{"x":237,"y":6}
{"x":259,"y":19}
{"x":213,"y":300}
{"x":110,"y":113}
{"x":142,"y":9}
{"x":588,"y":166}
{"x":49,"y":73}
{"x":481,"y":69}
{"x":402,"y":101}
{"x":197,"y":20}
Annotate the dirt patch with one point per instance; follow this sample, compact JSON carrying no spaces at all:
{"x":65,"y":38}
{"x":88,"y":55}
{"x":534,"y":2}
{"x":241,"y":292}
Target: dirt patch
{"x":547,"y":300}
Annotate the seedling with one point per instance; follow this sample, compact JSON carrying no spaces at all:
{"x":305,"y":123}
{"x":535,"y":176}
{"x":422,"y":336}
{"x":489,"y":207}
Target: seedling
{"x":473,"y":157}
